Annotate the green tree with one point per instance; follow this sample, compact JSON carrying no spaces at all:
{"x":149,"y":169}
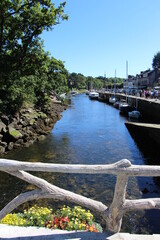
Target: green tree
{"x":90,"y":82}
{"x":57,"y":76}
{"x":156,"y":61}
{"x":77,"y":81}
{"x":24,"y":65}
{"x":73,"y":80}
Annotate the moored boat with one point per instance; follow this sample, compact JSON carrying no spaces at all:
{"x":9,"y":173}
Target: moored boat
{"x":112,"y":99}
{"x":116,"y":104}
{"x":134,"y":114}
{"x":124,"y":108}
{"x":93,"y":95}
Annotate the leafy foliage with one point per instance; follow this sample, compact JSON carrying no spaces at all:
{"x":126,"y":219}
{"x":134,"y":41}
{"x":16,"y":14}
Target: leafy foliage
{"x":156,"y":61}
{"x":27,"y":72}
{"x":75,"y":218}
{"x":79,"y":81}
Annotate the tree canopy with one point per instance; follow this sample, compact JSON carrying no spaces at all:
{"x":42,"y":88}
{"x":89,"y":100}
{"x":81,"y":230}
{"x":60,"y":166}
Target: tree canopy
{"x":80,"y":81}
{"x":27,"y":72}
{"x":156,"y":60}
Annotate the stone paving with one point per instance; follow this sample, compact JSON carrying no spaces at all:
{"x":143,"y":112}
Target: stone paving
{"x":34,"y":233}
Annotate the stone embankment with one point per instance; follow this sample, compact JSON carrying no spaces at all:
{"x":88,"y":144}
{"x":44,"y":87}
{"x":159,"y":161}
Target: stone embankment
{"x":149,"y":108}
{"x":27,"y":126}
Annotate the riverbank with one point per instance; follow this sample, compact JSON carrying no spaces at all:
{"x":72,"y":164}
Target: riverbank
{"x":34,"y":233}
{"x":27,"y":126}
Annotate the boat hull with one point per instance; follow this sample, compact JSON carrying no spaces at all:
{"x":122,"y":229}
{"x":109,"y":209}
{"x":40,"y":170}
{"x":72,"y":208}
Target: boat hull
{"x":112,"y":100}
{"x":125,"y":108}
{"x":93,"y":95}
{"x":116,"y":105}
{"x":134,"y":114}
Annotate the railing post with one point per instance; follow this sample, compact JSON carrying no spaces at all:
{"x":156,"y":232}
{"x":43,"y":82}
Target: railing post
{"x":115,"y":211}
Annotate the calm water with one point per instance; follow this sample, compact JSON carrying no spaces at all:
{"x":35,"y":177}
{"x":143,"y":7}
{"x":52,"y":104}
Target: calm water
{"x":90,"y":132}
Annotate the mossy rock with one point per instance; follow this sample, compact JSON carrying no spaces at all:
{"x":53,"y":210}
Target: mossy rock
{"x":42,"y":115}
{"x":33,"y":115}
{"x":14,"y":133}
{"x":32,"y":121}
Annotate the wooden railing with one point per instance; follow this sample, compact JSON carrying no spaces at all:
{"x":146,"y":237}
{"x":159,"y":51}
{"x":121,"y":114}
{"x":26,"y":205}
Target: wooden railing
{"x":112,"y":215}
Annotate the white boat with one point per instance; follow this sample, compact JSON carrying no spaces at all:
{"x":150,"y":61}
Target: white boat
{"x":93,"y":95}
{"x":134,"y":114}
{"x":124,"y":107}
{"x":112,"y":99}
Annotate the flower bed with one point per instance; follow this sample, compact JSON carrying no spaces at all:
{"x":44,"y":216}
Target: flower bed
{"x":65,"y":218}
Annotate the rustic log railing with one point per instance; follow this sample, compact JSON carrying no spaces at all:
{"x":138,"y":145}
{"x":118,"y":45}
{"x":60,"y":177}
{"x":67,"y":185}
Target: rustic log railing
{"x":112,"y":215}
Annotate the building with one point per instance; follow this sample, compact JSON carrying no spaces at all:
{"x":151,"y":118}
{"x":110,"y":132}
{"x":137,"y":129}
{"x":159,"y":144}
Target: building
{"x":146,"y":79}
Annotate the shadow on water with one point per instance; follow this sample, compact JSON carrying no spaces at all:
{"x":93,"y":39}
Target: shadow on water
{"x":90,"y":132}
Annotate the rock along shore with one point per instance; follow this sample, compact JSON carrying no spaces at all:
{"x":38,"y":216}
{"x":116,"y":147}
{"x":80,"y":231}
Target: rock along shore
{"x":27,"y":126}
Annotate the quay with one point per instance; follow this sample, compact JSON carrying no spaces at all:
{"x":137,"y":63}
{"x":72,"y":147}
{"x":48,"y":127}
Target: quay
{"x":151,"y":131}
{"x":149,"y":108}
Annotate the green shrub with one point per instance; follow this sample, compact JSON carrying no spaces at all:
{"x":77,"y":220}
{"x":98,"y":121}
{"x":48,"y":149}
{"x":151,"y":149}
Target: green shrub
{"x":75,"y":218}
{"x":65,"y":218}
{"x":37,"y":216}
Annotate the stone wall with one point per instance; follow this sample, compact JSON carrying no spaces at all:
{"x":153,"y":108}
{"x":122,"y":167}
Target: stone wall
{"x":149,"y":108}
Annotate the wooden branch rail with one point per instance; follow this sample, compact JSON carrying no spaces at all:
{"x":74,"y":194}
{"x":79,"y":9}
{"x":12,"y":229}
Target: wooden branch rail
{"x":112,"y":215}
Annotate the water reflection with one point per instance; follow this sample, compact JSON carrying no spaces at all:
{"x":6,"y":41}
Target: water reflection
{"x":90,"y":132}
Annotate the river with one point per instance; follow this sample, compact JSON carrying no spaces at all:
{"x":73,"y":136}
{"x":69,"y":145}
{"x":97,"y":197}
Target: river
{"x":90,"y":132}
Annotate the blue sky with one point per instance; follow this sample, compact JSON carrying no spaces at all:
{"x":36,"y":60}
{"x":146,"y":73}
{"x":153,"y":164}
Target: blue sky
{"x":101,"y":35}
